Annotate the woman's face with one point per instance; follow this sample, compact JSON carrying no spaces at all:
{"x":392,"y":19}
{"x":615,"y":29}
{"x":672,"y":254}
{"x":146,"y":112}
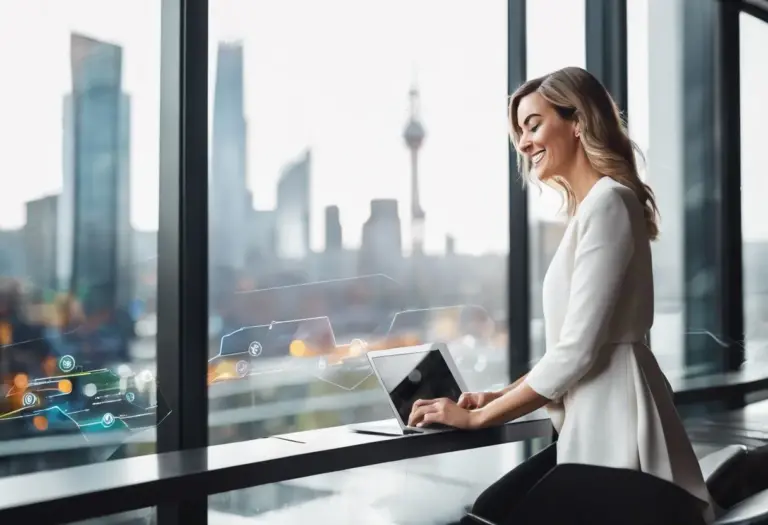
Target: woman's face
{"x":548,"y":141}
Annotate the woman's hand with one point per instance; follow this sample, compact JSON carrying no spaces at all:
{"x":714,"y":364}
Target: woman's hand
{"x":442,"y":411}
{"x":475,"y":400}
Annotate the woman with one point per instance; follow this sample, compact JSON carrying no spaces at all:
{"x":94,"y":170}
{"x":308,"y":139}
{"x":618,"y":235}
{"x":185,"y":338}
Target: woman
{"x":603,"y":389}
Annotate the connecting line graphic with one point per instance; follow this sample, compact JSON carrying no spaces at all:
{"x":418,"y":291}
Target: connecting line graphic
{"x":82,"y":401}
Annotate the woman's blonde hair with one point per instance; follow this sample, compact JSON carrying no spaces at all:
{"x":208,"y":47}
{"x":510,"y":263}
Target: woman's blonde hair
{"x":578,"y":96}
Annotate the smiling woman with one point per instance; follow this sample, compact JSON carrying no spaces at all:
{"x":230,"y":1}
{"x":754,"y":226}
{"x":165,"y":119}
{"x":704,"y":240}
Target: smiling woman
{"x":545,"y":111}
{"x":604,"y":390}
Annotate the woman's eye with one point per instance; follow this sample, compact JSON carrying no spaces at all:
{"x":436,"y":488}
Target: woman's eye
{"x":534,"y":128}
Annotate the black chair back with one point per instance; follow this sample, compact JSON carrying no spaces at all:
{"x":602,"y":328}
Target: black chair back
{"x":576,"y":494}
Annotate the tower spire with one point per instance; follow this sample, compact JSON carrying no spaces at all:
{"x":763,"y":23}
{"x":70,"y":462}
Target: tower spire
{"x":414,"y":137}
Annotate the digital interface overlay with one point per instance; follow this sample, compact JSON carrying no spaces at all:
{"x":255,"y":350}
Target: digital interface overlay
{"x":85,"y":401}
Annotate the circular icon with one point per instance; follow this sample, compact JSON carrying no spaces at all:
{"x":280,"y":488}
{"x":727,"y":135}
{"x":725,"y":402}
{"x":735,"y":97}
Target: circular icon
{"x":130,"y":397}
{"x":29,"y":399}
{"x":241,"y":368}
{"x":322,"y":364}
{"x":67,"y":363}
{"x":90,"y":390}
{"x":254,"y":348}
{"x":107,"y":420}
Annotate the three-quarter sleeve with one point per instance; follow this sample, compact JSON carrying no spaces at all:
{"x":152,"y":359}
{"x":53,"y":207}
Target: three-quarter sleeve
{"x":604,"y":247}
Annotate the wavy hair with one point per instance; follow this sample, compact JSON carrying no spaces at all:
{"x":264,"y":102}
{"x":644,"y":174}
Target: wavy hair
{"x":578,"y":96}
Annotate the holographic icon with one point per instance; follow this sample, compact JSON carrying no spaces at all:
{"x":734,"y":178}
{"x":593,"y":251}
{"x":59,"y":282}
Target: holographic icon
{"x":90,"y":390}
{"x":67,"y":363}
{"x":322,"y":364}
{"x":29,"y":399}
{"x":130,"y":397}
{"x":107,"y":420}
{"x":241,"y":368}
{"x":254,"y":348}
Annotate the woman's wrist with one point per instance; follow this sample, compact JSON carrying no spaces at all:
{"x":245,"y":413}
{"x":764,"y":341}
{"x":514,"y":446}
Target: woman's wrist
{"x":478,"y":418}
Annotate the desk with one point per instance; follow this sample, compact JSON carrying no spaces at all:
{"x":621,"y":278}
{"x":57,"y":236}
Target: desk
{"x":107,"y":488}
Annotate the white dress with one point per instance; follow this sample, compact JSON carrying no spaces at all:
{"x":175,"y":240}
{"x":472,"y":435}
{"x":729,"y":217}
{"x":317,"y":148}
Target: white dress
{"x":611,"y":403}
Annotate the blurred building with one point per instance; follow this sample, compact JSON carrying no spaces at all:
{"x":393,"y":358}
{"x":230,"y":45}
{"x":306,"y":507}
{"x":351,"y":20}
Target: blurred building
{"x":12,"y":253}
{"x":292,"y":213}
{"x":94,"y":234}
{"x":40,"y":242}
{"x":229,"y":198}
{"x":333,"y":235}
{"x":450,"y":245}
{"x":381,"y":247}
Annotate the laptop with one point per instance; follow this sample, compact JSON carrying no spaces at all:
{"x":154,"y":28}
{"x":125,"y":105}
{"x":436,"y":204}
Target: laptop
{"x":407,"y":375}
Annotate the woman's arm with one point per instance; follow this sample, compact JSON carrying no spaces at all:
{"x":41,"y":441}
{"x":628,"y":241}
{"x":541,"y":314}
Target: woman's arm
{"x":517,"y":401}
{"x":513,"y":385}
{"x":603,"y":252}
{"x":605,"y":247}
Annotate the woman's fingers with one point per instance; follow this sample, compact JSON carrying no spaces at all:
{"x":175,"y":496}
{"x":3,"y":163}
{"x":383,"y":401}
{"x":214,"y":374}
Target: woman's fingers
{"x":468,"y":400}
{"x":418,"y":413}
{"x":422,"y":402}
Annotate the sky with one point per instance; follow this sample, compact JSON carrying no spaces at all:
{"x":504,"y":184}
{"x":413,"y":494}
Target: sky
{"x":332,"y":76}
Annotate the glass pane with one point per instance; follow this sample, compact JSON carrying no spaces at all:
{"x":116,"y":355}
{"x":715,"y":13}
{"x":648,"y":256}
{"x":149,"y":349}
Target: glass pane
{"x":546,"y":215}
{"x":656,"y":125}
{"x":754,"y":224}
{"x":434,"y":490}
{"x":358,"y":197}
{"x":79,"y":102}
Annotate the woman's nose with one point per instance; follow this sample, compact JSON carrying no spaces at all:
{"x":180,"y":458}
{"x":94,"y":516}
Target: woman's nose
{"x":525,"y":143}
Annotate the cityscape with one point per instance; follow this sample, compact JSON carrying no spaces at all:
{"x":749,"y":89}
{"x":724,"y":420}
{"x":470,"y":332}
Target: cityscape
{"x":78,"y":281}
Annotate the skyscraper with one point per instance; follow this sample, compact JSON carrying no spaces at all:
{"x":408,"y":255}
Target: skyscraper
{"x":381,"y":246}
{"x":333,"y":236}
{"x":94,"y":234}
{"x":228,"y":192}
{"x":40,"y":241}
{"x":292,"y":213}
{"x":414,"y":137}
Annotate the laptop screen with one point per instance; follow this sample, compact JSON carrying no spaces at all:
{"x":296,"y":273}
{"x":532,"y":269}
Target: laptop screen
{"x":413,"y":376}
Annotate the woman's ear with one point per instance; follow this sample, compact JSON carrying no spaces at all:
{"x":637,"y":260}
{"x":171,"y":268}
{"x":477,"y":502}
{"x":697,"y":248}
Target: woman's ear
{"x":577,"y":129}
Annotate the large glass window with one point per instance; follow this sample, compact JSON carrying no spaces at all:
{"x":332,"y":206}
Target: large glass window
{"x":655,"y":115}
{"x":553,"y":42}
{"x":754,"y":115}
{"x":358,"y":201}
{"x":79,"y":100}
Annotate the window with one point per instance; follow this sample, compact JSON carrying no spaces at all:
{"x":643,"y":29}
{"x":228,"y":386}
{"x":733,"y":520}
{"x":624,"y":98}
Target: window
{"x":754,"y":112}
{"x":656,"y":125}
{"x":358,"y":200}
{"x":546,"y":214}
{"x":78,"y":217}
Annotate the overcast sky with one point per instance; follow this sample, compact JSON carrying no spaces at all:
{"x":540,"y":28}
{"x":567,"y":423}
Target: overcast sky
{"x":332,"y":75}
